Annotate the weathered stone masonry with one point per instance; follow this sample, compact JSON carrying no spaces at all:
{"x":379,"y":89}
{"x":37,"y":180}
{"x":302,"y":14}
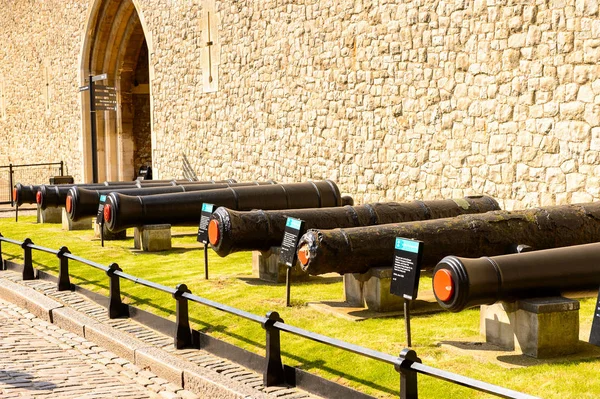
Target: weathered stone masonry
{"x":393,"y":100}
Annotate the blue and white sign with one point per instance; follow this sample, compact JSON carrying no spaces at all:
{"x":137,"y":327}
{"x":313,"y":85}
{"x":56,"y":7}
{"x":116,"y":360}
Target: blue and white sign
{"x":207,"y":210}
{"x":407,"y":268}
{"x":291,"y":236}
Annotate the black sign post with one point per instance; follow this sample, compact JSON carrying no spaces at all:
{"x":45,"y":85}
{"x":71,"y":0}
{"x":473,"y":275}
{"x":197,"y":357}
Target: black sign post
{"x":595,"y":333}
{"x":287,"y":255}
{"x":100,"y":217}
{"x":102,"y":98}
{"x":207,"y":210}
{"x":405,"y":275}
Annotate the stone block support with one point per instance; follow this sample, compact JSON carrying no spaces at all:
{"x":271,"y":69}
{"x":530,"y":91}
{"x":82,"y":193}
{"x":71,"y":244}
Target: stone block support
{"x":69,"y":225}
{"x":538,"y":327}
{"x":152,"y":237}
{"x":372,"y":290}
{"x":266,"y":266}
{"x":49,"y":215}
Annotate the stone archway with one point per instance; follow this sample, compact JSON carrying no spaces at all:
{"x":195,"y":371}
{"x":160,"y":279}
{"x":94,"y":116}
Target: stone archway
{"x":116,"y":44}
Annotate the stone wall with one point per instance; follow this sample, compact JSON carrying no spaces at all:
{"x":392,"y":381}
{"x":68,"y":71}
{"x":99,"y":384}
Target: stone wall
{"x":392,"y":100}
{"x":39,"y":46}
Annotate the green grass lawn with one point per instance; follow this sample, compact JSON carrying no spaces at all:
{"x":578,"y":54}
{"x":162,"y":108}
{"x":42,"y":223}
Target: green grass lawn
{"x":231,"y":282}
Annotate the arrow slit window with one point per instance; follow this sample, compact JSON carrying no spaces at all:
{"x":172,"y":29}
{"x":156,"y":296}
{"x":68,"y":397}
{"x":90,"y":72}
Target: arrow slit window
{"x":210,"y":47}
{"x":46,"y":88}
{"x":2,"y":99}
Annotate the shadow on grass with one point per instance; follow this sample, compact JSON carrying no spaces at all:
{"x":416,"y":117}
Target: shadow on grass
{"x":172,"y":251}
{"x":312,"y":280}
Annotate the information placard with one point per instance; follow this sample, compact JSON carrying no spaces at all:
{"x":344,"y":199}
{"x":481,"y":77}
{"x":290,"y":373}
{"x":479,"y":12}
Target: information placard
{"x":407,"y":268}
{"x":207,"y":210}
{"x":293,"y":231}
{"x":595,"y":333}
{"x":100,"y":214}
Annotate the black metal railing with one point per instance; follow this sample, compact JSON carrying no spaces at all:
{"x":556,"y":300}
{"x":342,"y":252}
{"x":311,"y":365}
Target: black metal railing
{"x":37,"y":173}
{"x":407,"y":364}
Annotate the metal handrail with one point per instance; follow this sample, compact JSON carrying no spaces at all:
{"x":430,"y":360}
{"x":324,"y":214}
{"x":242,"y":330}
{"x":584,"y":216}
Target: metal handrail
{"x":86,"y":262}
{"x":225,"y":308}
{"x":407,"y":363}
{"x":31,"y":164}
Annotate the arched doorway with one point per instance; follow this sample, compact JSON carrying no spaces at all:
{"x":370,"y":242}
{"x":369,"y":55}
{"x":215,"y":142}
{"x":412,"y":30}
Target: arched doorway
{"x":116,"y":45}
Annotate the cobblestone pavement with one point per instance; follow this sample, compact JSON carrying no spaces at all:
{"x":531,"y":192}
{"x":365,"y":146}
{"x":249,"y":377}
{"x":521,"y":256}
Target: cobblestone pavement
{"x":40,"y":360}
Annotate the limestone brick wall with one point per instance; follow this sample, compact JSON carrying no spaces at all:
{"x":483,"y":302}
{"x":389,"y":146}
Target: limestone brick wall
{"x":397,"y":101}
{"x":39,"y":44}
{"x":394,"y":100}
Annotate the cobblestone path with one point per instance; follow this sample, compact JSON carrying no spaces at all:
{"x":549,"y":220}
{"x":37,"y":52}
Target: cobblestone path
{"x":40,"y":360}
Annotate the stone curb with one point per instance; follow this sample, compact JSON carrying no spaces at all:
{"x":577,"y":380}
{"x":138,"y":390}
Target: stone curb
{"x":189,"y":376}
{"x":38,"y":304}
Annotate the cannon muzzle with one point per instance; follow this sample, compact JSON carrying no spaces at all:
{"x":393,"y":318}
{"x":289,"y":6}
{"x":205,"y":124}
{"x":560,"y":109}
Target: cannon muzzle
{"x":460,"y":283}
{"x":185,"y":208}
{"x":231,"y":231}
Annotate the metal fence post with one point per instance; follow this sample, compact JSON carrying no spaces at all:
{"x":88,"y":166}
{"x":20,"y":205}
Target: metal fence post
{"x":61,"y":168}
{"x":2,"y":267}
{"x":28,"y":272}
{"x":64,"y":283}
{"x":183,"y":332}
{"x":10,"y":181}
{"x":115,"y":306}
{"x":273,"y":374}
{"x":408,"y":377}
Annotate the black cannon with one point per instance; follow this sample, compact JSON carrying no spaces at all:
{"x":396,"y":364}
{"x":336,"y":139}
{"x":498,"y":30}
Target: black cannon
{"x":231,"y":231}
{"x":81,"y":202}
{"x":460,"y":283}
{"x":26,"y":194}
{"x":55,"y":196}
{"x":356,"y":250}
{"x":121,"y":211}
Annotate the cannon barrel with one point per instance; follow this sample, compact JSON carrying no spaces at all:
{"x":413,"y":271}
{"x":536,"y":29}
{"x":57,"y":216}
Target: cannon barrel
{"x":231,"y":231}
{"x":55,"y":196}
{"x":52,"y":196}
{"x":81,"y":202}
{"x":356,"y":250}
{"x":121,"y":211}
{"x":460,"y":283}
{"x":27,"y":194}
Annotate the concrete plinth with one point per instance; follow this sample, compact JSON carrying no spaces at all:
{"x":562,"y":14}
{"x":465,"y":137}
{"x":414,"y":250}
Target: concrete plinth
{"x":538,"y":327}
{"x":49,"y":215}
{"x":372,"y":290}
{"x":109,"y":235}
{"x":152,"y":237}
{"x":266,"y":266}
{"x":69,"y":225}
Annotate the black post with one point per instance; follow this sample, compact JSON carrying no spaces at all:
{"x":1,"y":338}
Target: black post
{"x":288,"y":283}
{"x":17,"y":213}
{"x":116,"y":308}
{"x":273,"y":374}
{"x":93,"y":129}
{"x":408,"y":378}
{"x":11,"y":183}
{"x":183,"y":333}
{"x":62,"y":168}
{"x":102,"y":231}
{"x":28,"y":272}
{"x":407,"y":321}
{"x":206,"y":260}
{"x":1,"y":260}
{"x":64,"y":283}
